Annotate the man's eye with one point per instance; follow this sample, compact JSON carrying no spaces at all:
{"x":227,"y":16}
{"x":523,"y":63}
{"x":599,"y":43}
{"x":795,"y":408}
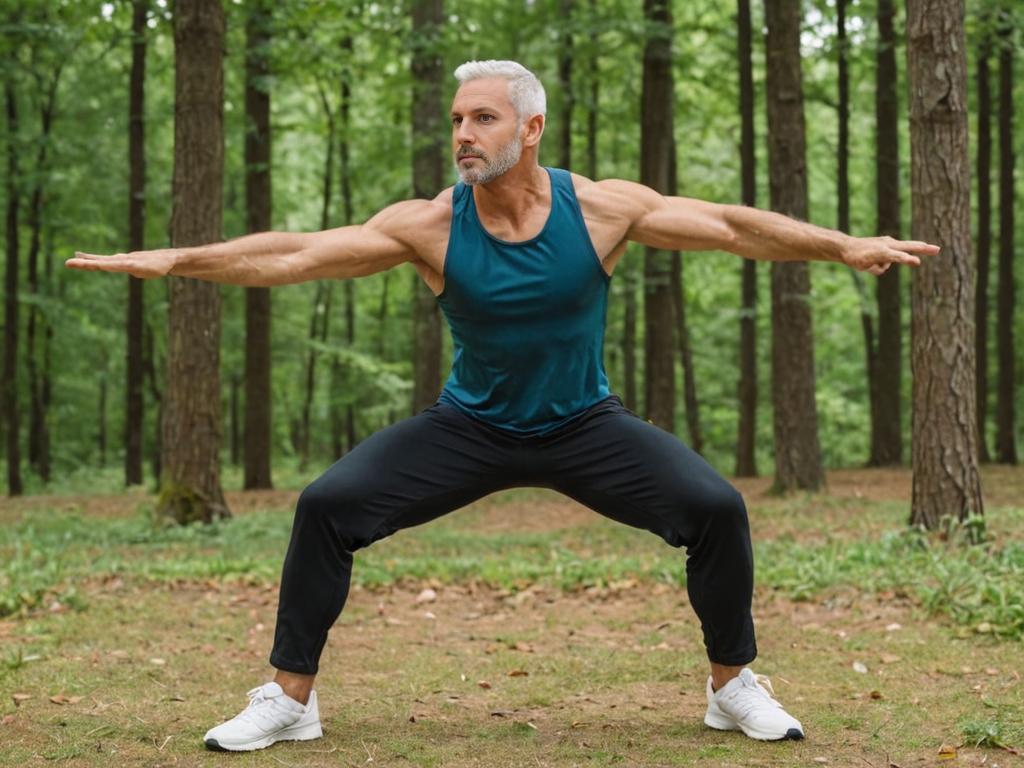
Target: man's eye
{"x":486,"y":118}
{"x":456,"y":120}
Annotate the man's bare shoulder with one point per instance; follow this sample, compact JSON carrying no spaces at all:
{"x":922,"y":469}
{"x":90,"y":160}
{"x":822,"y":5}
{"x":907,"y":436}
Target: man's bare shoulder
{"x":613,"y":197}
{"x":412,"y":220}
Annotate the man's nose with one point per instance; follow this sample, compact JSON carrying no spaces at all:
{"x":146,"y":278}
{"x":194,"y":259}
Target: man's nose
{"x":463,"y":134}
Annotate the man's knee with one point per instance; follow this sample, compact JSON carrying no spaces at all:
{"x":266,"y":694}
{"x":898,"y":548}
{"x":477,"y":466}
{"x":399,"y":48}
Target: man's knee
{"x":334,"y":509}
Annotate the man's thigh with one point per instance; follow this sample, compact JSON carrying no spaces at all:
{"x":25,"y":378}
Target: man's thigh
{"x":632,"y":471}
{"x":412,"y":472}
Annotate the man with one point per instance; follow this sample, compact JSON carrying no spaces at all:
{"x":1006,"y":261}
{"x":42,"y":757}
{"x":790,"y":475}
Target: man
{"x":519,"y":257}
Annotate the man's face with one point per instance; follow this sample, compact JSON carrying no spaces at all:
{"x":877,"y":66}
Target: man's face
{"x":485,"y":131}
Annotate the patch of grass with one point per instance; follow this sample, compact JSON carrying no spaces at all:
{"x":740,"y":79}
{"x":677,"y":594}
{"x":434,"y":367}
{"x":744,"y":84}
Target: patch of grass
{"x":996,"y":732}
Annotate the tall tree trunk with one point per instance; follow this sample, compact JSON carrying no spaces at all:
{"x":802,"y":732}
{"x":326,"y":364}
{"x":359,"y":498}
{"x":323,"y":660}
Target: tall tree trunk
{"x":984,"y":247}
{"x":38,"y":440}
{"x":234,"y":443}
{"x":944,"y":444}
{"x":629,"y":336}
{"x":101,"y":436}
{"x":10,"y":375}
{"x":350,"y":286}
{"x":134,"y":408}
{"x":746,"y":461}
{"x":428,"y":163}
{"x":565,"y":61}
{"x":315,"y":320}
{"x":686,"y":355}
{"x":843,"y":204}
{"x":656,"y":159}
{"x":258,"y":205}
{"x":594,"y":78}
{"x":887,"y":378}
{"x":149,"y":365}
{"x":1006,"y":443}
{"x":190,"y":486}
{"x":797,"y":451}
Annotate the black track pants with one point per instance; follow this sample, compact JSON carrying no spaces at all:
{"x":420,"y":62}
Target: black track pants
{"x":607,"y":459}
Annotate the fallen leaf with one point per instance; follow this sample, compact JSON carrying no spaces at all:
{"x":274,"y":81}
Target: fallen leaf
{"x":521,"y":646}
{"x":518,"y":673}
{"x":429,"y":615}
{"x":876,"y":695}
{"x":176,"y":698}
{"x":426,"y":596}
{"x":947,"y":752}
{"x":8,"y":719}
{"x":158,"y":662}
{"x":821,"y":760}
{"x":484,"y":684}
{"x":61,"y":698}
{"x":501,"y":712}
{"x":889,"y":658}
{"x":893,"y":627}
{"x":992,"y":671}
{"x":860,"y":667}
{"x":20,"y":697}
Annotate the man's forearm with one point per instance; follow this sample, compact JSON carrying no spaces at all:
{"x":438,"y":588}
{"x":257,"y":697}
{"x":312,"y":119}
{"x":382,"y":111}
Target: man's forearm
{"x":774,"y":237}
{"x":262,"y":259}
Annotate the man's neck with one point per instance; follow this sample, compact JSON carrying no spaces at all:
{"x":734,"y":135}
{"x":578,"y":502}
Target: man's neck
{"x":513,"y":195}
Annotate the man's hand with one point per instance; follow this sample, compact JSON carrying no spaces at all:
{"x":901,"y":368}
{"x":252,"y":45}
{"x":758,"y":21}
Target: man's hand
{"x":877,"y":254}
{"x":145,"y":264}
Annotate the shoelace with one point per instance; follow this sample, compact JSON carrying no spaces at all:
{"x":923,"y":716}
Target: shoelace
{"x":259,"y":706}
{"x":748,"y":697}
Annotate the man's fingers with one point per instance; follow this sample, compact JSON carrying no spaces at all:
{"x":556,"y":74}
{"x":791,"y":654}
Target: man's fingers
{"x":902,"y":257}
{"x":916,"y":246}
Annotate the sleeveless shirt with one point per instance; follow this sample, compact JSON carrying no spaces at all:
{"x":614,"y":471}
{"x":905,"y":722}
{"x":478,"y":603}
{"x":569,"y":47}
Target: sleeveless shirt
{"x":527,"y":318}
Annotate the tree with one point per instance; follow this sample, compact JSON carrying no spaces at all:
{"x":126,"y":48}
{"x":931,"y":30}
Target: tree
{"x":887,"y":371}
{"x":565,"y":62}
{"x":797,"y":451}
{"x":656,"y":159}
{"x":10,"y":373}
{"x":1006,"y":444}
{"x":134,"y":365}
{"x":746,"y":461}
{"x":258,"y":205}
{"x":190,"y":486}
{"x":428,"y":148}
{"x":984,"y":247}
{"x":944,"y":445}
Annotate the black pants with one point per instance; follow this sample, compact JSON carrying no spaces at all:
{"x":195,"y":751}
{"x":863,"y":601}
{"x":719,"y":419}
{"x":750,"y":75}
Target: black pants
{"x":608,"y":459}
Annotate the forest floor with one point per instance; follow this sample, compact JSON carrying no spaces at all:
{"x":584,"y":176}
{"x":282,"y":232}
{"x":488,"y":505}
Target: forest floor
{"x":131,"y":667}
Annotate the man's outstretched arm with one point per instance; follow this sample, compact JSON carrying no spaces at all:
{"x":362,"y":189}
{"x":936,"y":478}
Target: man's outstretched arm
{"x":280,"y":258}
{"x":679,"y":223}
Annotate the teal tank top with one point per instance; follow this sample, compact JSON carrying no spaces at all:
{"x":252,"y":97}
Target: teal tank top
{"x":527,"y":318}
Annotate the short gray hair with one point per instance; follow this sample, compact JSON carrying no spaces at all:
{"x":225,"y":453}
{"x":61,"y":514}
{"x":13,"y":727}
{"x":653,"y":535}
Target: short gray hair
{"x":524,"y":89}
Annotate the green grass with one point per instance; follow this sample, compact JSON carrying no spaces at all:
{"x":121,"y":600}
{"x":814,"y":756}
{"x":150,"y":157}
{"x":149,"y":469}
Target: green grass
{"x":47,"y":553}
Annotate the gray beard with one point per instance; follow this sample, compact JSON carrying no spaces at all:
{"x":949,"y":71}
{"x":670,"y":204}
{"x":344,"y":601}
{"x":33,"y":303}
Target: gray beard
{"x":503,"y":160}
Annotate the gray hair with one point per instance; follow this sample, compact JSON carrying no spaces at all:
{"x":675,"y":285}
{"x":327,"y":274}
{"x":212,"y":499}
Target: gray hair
{"x":524,"y":89}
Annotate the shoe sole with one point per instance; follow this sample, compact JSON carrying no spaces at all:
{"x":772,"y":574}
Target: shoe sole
{"x":728,"y":724}
{"x":304,"y":733}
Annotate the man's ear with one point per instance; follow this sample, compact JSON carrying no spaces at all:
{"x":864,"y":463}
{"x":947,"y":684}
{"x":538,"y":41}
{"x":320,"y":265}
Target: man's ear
{"x":534,"y":129}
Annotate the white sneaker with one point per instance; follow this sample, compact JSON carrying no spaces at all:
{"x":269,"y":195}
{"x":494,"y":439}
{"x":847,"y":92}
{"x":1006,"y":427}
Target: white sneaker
{"x":271,"y":716}
{"x":746,"y":703}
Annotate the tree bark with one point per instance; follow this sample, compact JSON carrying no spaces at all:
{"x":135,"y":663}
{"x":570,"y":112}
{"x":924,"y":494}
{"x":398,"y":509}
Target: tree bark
{"x":746,"y":462}
{"x":134,"y":371}
{"x":259,"y":206}
{"x":686,"y":355}
{"x":38,"y":436}
{"x":190,"y":486}
{"x":565,"y":64}
{"x":797,"y":451}
{"x":944,"y":445}
{"x":656,"y":159}
{"x":595,"y":93}
{"x":1006,"y":443}
{"x":629,"y":337}
{"x":887,"y":378}
{"x":10,"y":374}
{"x":428,"y":164}
{"x":350,"y":286}
{"x":984,"y":247}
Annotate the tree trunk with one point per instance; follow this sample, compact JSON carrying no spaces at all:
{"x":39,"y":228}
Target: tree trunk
{"x":565,"y":61}
{"x":350,"y":286}
{"x":984,"y":247}
{"x":190,"y":486}
{"x":428,"y":163}
{"x":149,"y":366}
{"x":1006,"y":443}
{"x":259,"y":206}
{"x":38,"y":438}
{"x":629,"y":337}
{"x":797,"y":451}
{"x":686,"y":355}
{"x":656,"y":159}
{"x":843,"y":207}
{"x":944,"y":444}
{"x":134,"y":403}
{"x":887,"y":378}
{"x":234,"y":443}
{"x":594,"y":101}
{"x":10,"y":375}
{"x":102,"y":412}
{"x":305,"y":428}
{"x":746,"y":461}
